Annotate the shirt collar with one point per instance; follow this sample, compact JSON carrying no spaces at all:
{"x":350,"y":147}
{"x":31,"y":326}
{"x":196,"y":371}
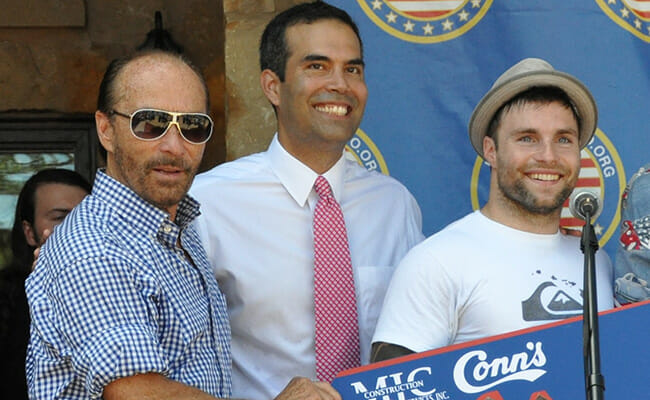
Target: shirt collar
{"x":299,"y":179}
{"x":137,"y":210}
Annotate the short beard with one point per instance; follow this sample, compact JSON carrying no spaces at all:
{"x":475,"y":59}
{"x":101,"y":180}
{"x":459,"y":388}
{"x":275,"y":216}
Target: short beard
{"x":140,"y":184}
{"x":525,"y":200}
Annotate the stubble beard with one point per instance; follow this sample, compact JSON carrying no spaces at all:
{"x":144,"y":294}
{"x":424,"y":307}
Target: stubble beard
{"x":521,"y":197}
{"x":139,"y":178}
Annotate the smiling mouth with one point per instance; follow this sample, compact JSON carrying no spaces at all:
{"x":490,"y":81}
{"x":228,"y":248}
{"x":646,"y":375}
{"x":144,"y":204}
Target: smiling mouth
{"x":545,"y":177}
{"x":337,"y":110}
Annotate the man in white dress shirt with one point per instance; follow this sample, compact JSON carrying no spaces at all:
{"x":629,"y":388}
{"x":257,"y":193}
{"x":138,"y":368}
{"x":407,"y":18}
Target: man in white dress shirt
{"x":258,"y":210}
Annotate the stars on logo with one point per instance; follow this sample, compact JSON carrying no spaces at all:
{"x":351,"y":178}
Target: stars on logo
{"x":598,"y":229}
{"x":634,"y":16}
{"x":426,"y":21}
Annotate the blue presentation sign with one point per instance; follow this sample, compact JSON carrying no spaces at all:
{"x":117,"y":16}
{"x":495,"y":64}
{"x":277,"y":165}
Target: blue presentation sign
{"x":541,"y":363}
{"x":429,"y":62}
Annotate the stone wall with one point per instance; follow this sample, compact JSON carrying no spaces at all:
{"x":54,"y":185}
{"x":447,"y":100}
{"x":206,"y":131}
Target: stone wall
{"x":53,"y":53}
{"x":250,"y":118}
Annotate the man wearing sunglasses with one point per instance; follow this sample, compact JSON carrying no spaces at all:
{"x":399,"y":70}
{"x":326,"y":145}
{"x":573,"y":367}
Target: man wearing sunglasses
{"x":260,"y":212}
{"x":124,"y":304}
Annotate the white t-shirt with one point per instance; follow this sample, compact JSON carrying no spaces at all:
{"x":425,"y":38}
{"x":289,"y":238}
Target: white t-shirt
{"x":478,"y":278}
{"x":257,"y":230}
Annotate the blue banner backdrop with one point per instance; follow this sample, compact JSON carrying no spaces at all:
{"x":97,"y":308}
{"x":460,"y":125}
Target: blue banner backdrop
{"x":430,"y":61}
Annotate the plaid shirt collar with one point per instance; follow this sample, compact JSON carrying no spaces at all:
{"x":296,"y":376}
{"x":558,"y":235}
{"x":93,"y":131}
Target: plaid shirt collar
{"x":144,"y":215}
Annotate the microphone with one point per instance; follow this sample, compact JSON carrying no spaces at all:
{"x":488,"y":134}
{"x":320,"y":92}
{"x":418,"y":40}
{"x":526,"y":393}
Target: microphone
{"x":583,"y":202}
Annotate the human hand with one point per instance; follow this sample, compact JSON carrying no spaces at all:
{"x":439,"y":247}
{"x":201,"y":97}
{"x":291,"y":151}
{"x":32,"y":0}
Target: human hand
{"x":37,"y":251}
{"x":300,"y":388}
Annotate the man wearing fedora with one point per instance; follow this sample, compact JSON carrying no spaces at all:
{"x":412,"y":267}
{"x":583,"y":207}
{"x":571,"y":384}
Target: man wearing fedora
{"x":506,"y":266}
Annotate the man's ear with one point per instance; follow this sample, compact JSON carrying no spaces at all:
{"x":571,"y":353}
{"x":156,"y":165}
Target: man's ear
{"x":30,"y":237}
{"x":270,"y":83}
{"x":105,"y":131}
{"x":489,"y":150}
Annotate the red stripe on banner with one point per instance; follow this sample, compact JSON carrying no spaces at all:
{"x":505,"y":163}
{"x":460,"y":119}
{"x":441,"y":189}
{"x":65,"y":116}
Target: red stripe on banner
{"x":587,"y":162}
{"x":588,"y":182}
{"x":428,"y":8}
{"x":571,"y":222}
{"x":425,"y":14}
{"x":640,"y":7}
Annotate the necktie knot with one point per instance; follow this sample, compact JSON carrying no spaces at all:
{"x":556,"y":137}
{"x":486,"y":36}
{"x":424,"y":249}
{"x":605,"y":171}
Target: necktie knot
{"x":322,"y":187}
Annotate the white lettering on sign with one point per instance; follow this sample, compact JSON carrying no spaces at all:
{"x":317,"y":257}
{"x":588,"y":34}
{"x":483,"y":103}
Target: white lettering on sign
{"x":498,"y":370}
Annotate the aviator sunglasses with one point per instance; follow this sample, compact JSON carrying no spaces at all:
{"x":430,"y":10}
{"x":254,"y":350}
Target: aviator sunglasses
{"x":152,"y":124}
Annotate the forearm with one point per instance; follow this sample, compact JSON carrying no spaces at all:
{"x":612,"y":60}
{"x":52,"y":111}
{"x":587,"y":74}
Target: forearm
{"x":152,"y":387}
{"x":385,"y":351}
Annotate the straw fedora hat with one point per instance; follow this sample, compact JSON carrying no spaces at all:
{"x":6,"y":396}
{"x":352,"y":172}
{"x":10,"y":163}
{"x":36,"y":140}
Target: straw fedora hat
{"x":528,"y":73}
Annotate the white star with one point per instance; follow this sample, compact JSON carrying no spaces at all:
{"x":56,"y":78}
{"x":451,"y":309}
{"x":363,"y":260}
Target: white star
{"x":428,"y":29}
{"x":376,"y":5}
{"x":598,"y":229}
{"x":648,"y":30}
{"x":625,"y":12}
{"x":447,"y":25}
{"x":391,"y":18}
{"x":637,"y":24}
{"x":463,"y":15}
{"x":611,"y":1}
{"x":476,"y":3}
{"x":408,"y":26}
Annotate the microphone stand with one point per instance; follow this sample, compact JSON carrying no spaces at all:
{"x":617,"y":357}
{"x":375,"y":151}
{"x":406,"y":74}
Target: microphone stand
{"x":594,"y":381}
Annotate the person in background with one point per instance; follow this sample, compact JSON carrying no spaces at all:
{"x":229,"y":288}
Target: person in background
{"x":506,"y":266}
{"x":632,"y":262}
{"x":123,"y":302}
{"x":304,"y":271}
{"x":43,"y":202}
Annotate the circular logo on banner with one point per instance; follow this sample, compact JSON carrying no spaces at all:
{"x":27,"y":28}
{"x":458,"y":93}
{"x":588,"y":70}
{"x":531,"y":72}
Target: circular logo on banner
{"x":631,"y":15}
{"x":362,"y":149}
{"x":601,"y":172}
{"x":425,"y":21}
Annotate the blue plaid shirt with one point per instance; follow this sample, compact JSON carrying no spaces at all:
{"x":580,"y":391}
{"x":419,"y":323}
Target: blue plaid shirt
{"x":113,"y":295}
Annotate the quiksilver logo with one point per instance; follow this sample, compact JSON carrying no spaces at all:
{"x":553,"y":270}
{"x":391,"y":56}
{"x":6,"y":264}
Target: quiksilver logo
{"x":484,"y":374}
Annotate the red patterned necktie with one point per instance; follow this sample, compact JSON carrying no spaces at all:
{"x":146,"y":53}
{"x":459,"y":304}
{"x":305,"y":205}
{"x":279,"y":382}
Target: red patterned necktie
{"x":337,"y":330}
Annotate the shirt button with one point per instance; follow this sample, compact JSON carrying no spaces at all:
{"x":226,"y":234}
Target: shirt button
{"x":167,"y":228}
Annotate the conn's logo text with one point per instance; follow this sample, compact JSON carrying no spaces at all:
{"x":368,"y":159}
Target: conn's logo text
{"x":475,"y":372}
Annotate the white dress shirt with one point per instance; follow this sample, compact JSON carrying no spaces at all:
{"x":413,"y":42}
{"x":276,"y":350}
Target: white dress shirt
{"x":256,"y":227}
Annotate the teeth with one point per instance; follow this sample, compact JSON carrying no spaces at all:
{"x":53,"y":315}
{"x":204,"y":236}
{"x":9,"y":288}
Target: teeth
{"x":545,"y":177}
{"x":333,"y":109}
